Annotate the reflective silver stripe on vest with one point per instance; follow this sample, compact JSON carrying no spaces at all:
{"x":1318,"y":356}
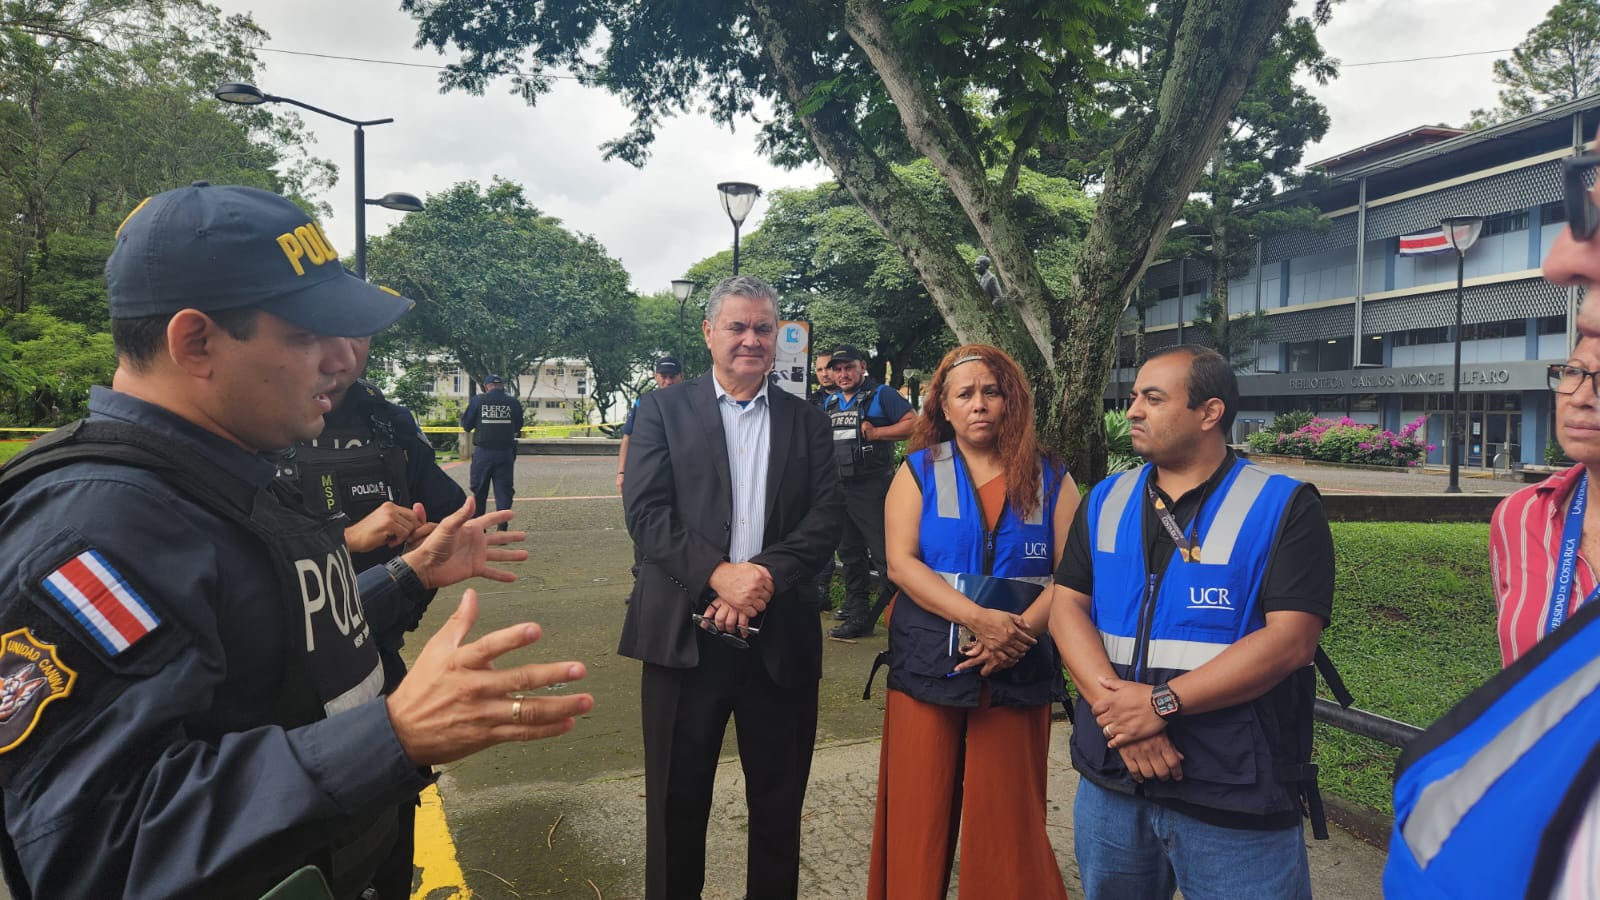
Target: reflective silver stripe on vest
{"x":1182,"y":656}
{"x":370,"y":686}
{"x":1217,"y":546}
{"x":1043,"y":581}
{"x":944,"y":479}
{"x":1037,"y":516}
{"x":1442,"y":804}
{"x":1105,"y":537}
{"x":1118,"y":649}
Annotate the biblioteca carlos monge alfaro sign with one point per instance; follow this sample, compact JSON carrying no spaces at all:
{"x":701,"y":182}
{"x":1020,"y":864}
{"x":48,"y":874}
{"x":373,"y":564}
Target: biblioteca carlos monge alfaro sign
{"x":1509,"y":376}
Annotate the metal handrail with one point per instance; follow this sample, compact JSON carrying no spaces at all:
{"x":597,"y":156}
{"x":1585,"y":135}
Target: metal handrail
{"x":1367,"y":724}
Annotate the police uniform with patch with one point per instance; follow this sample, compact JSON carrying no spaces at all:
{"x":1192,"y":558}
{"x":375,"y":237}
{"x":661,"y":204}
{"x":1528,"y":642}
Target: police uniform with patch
{"x":866,"y":469}
{"x":188,"y":662}
{"x":496,"y":418}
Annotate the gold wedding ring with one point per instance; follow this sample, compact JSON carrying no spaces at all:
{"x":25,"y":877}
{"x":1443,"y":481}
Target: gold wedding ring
{"x":1108,"y":733}
{"x":516,"y":710}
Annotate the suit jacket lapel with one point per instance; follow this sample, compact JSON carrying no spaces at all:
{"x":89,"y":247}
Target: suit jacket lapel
{"x":782,"y":433}
{"x":705,"y":410}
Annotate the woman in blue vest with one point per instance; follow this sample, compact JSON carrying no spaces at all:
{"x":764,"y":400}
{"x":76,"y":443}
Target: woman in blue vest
{"x":974,"y":525}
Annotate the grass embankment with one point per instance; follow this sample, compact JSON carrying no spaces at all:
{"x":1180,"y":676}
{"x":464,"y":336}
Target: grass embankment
{"x":1413,"y":632}
{"x":9,"y":449}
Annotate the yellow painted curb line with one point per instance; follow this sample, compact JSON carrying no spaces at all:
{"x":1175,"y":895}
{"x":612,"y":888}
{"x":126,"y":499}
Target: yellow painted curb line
{"x":436,"y":853}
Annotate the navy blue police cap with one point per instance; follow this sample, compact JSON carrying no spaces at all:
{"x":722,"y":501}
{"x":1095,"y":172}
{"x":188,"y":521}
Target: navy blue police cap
{"x":669,"y":365}
{"x":493,"y":379}
{"x":218,"y":247}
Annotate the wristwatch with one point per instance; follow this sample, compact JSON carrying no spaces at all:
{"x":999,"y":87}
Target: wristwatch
{"x":1164,"y":701}
{"x":406,"y":577}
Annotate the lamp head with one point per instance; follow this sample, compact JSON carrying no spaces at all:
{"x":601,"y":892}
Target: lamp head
{"x":398,"y":200}
{"x":239,"y":92}
{"x":738,"y":198}
{"x":681,"y":289}
{"x":1462,"y":231}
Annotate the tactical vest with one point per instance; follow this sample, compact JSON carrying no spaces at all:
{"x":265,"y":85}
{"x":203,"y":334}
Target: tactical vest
{"x":1158,"y":625}
{"x":1486,"y":800}
{"x":331,"y":661}
{"x":855,"y":454}
{"x":496,"y":429}
{"x":353,"y":467}
{"x":954,"y":540}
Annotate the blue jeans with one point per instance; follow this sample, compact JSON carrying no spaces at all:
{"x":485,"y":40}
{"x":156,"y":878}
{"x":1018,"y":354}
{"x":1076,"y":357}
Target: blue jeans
{"x":1131,"y":849}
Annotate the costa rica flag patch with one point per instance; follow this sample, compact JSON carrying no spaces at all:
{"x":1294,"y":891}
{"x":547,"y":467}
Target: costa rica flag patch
{"x":95,"y":594}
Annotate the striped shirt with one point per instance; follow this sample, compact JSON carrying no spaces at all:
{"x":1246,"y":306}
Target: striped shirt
{"x":748,"y":431}
{"x":1580,"y":876}
{"x":1524,"y":543}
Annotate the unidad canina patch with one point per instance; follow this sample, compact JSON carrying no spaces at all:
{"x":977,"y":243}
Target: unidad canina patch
{"x":31,"y":675}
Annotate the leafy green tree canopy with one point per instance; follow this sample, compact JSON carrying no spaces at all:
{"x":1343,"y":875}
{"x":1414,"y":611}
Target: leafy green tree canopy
{"x":1557,"y":62}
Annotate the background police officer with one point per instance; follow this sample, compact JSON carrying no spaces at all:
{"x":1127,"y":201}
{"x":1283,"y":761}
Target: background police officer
{"x":373,"y":464}
{"x":211,"y":716}
{"x":667,"y":372}
{"x":867,"y":418}
{"x":497,"y":418}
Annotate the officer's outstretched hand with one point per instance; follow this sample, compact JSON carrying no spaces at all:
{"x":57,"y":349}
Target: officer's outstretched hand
{"x":390,"y":525}
{"x":462,"y":547}
{"x":454,"y":703}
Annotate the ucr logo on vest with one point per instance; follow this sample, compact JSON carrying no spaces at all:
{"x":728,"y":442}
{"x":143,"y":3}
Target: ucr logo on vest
{"x":1209,"y":598}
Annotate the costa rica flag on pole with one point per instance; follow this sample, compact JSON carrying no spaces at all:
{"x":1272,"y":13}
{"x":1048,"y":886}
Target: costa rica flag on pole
{"x":102,"y":601}
{"x":1425,"y":243}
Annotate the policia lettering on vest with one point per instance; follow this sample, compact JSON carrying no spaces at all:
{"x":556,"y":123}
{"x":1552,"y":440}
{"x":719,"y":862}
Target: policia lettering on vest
{"x":1189,"y":602}
{"x":190,"y":681}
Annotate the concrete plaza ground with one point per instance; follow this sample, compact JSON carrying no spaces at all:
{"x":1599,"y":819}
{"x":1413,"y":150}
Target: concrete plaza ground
{"x":565,"y":817}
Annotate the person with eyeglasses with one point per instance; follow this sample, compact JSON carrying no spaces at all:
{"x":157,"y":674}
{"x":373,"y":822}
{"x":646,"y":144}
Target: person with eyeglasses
{"x":732,"y":499}
{"x":1522,"y":748}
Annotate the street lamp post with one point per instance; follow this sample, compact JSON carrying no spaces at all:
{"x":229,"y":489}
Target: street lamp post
{"x":1462,"y":232}
{"x":249,"y":95}
{"x":681,"y":288}
{"x":738,"y":197}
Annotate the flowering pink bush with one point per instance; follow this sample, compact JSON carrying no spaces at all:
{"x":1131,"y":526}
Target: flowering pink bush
{"x":1345,"y":440}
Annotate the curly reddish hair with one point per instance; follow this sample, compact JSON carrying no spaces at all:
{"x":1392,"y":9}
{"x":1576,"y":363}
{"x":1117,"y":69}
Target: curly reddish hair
{"x":1015,"y":443}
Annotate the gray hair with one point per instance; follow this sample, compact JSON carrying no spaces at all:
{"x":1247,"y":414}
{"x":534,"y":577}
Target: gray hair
{"x":740,"y":286}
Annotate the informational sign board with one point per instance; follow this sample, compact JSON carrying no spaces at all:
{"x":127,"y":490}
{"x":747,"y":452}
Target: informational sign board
{"x":792,"y":364}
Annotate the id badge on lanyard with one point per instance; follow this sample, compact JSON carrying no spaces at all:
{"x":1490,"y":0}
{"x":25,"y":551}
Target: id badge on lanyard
{"x":1567,"y":561}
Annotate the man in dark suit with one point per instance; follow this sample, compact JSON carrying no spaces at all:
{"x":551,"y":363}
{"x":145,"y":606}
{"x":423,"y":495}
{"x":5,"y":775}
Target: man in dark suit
{"x":733,"y":502}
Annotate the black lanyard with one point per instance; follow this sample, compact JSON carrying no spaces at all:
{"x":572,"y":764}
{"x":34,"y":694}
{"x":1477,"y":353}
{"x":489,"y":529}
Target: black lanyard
{"x":1188,"y":548}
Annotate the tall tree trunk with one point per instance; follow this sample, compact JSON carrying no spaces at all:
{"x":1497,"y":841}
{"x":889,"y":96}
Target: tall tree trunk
{"x":1216,"y":45}
{"x":873,"y":184}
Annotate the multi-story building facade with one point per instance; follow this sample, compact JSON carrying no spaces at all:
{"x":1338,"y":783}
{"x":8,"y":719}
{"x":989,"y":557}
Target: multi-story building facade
{"x":550,"y":392}
{"x":1353,"y":328}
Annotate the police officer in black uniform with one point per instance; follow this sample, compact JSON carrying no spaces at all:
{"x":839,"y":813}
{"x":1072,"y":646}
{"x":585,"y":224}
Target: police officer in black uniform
{"x":819,"y":397}
{"x":373,"y":464}
{"x":190,"y":690}
{"x":868,"y":419}
{"x":497,"y":418}
{"x":667,"y":372}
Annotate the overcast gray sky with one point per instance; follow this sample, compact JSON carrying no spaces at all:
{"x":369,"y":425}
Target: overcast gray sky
{"x":661,"y":219}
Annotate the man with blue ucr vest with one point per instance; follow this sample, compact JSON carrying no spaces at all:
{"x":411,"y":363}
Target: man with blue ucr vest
{"x":497,"y":418}
{"x":1188,"y":606}
{"x":867,"y":419}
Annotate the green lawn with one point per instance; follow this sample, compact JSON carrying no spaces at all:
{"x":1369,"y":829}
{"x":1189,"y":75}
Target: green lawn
{"x":9,"y":449}
{"x":1413,"y":632}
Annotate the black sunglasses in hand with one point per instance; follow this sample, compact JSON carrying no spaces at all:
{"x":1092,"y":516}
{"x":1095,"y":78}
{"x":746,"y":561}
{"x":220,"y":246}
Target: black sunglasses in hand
{"x":728,"y":637}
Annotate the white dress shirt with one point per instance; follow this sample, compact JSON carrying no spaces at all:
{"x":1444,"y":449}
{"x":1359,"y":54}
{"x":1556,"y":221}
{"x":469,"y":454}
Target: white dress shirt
{"x":748,"y":430}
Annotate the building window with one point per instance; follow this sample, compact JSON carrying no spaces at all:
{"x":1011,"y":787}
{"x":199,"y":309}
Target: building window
{"x":1552,"y":213}
{"x":1488,"y":331}
{"x":1419,"y":336}
{"x":1505,"y":223}
{"x":1198,"y":286}
{"x":457,"y":388}
{"x":1167,"y":293}
{"x":554,"y":404}
{"x":1552,"y":324}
